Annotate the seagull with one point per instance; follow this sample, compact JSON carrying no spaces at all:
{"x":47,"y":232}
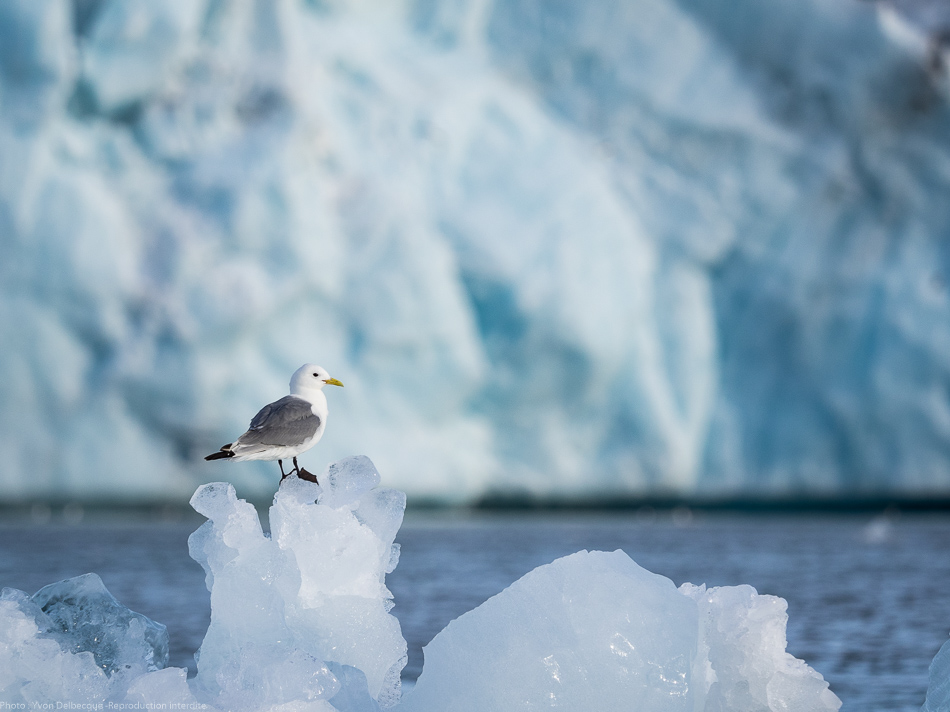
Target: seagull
{"x":286,"y":427}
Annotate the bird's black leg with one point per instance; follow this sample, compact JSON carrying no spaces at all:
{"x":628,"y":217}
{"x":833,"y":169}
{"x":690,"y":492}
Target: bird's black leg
{"x":296,"y":468}
{"x":282,"y":475}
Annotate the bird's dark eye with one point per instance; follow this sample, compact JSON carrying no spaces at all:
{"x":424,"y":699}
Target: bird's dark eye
{"x":316,"y":375}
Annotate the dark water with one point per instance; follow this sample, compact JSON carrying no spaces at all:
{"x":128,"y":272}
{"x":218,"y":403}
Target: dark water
{"x":868,"y":599}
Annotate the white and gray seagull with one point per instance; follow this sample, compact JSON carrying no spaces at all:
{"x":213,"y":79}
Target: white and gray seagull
{"x":286,"y":427}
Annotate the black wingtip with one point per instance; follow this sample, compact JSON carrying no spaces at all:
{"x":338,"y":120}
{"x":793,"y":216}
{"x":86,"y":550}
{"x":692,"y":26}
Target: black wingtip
{"x":221,"y":454}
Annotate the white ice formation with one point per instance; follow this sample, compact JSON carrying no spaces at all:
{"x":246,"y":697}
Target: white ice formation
{"x":72,"y":642}
{"x":594,"y":631}
{"x":311,"y":593}
{"x":568,"y":247}
{"x":301,"y":620}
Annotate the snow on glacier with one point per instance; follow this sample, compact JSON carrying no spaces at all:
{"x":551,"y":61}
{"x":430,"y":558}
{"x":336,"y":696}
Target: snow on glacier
{"x":565,"y":248}
{"x":301,"y":619}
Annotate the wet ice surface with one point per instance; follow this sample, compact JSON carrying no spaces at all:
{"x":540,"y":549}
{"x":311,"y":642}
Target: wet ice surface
{"x":868,"y":600}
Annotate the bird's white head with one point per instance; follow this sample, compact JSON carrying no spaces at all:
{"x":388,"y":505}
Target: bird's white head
{"x":309,"y":378}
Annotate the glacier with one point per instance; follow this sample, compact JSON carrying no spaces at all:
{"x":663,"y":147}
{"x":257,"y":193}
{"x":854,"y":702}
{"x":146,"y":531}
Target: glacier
{"x":553,"y":249}
{"x":301,"y":618}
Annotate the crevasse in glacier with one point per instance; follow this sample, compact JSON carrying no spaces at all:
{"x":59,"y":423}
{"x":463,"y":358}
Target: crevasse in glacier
{"x":551,"y":247}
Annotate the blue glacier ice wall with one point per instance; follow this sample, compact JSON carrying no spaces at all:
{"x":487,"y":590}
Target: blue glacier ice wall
{"x":550,"y":247}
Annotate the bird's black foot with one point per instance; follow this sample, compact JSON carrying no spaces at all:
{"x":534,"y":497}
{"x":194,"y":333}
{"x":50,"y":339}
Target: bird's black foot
{"x":304,"y":474}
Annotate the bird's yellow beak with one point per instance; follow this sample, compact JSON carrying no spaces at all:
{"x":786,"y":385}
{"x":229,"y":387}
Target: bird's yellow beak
{"x":333,"y":382}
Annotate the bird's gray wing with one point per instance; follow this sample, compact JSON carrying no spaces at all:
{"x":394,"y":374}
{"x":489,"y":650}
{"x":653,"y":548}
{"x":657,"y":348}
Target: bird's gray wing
{"x":288,"y":421}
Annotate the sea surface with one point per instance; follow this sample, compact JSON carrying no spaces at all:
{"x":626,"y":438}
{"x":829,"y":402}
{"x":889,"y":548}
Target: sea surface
{"x":868,"y":595}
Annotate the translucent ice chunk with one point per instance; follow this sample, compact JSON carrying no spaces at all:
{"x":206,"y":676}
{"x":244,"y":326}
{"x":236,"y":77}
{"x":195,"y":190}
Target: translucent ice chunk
{"x":353,"y":695}
{"x":302,"y":615}
{"x":86,"y":617}
{"x":743,"y":657}
{"x":344,"y":481}
{"x":168,"y":686}
{"x":86,"y":649}
{"x":594,"y":631}
{"x":590,"y":631}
